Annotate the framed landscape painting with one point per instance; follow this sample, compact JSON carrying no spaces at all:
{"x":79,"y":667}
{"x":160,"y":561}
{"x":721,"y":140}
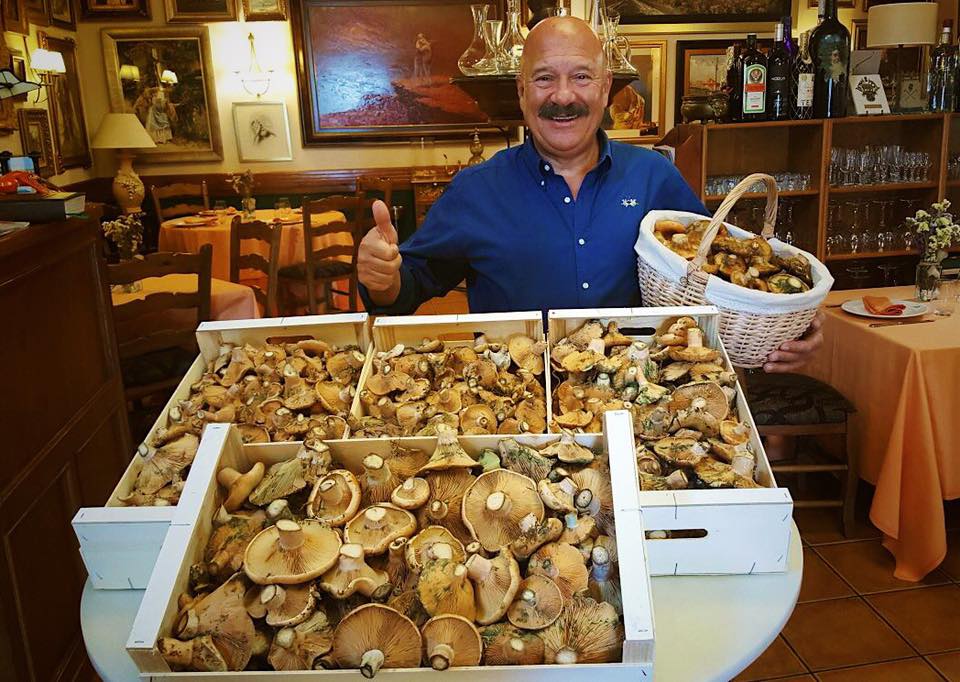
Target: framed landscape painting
{"x":381,"y":69}
{"x":263,"y":133}
{"x":101,"y":10}
{"x":264,"y":10}
{"x":168,"y":83}
{"x":66,"y":107}
{"x":637,"y":113}
{"x":35,"y":137}
{"x":196,"y":11}
{"x":698,"y":11}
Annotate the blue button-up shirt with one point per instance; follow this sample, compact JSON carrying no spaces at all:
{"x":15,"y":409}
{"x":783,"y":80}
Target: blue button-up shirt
{"x":512,"y":229}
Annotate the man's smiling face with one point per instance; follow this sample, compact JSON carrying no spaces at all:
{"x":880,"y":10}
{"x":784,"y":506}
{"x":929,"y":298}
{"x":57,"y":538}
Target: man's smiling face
{"x":563,"y":86}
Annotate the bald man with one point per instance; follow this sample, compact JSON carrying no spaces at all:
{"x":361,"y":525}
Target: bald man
{"x":550,"y":223}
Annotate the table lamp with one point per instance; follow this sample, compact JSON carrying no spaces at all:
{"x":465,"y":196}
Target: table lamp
{"x":900,"y":24}
{"x":125,"y":133}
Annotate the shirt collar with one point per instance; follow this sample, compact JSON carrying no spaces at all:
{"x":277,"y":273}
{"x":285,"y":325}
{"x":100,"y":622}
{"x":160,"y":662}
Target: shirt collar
{"x":538,"y":165}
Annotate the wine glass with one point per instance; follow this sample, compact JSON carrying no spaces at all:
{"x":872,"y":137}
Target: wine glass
{"x":282,"y":207}
{"x":219,"y":205}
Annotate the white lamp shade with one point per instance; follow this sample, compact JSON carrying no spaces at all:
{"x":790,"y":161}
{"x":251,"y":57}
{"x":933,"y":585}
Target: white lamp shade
{"x":168,"y":77}
{"x":129,"y":72}
{"x":122,"y":131}
{"x":47,"y":61}
{"x":904,"y":23}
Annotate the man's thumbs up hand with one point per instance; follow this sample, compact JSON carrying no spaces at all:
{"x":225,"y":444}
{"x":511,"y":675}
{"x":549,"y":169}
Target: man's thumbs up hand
{"x":378,"y":259}
{"x":381,"y":214}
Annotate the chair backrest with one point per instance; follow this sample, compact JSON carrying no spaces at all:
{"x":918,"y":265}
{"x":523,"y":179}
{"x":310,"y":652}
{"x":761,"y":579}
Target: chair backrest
{"x":268,"y":234}
{"x":372,"y":183}
{"x":179,"y":190}
{"x":165,"y":332}
{"x":358,"y":219}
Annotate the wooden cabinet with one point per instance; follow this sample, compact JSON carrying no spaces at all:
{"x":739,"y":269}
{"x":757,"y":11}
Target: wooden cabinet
{"x":66,"y":440}
{"x":428,"y":186}
{"x":823,"y":210}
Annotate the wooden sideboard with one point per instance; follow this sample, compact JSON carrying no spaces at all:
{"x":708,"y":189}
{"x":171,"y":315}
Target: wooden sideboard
{"x":428,"y":186}
{"x":66,"y":440}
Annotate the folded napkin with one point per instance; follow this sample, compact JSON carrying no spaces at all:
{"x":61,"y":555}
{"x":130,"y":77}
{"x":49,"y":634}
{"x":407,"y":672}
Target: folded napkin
{"x":881,"y":305}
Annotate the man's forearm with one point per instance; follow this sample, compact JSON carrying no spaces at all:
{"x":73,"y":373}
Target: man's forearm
{"x":386,"y":297}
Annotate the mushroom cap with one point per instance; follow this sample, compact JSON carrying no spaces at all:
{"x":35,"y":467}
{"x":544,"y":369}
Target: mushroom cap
{"x":495,"y":583}
{"x":504,"y":644}
{"x":382,"y":384}
{"x":222,"y":615}
{"x":335,"y":498}
{"x":494,"y":504}
{"x":538,"y":603}
{"x":375,"y":527}
{"x":352,"y":574}
{"x":697,"y":354}
{"x":679,"y":452}
{"x":526,"y":353}
{"x":568,"y":450}
{"x":289,"y":553}
{"x":450,"y":640}
{"x":411,"y":494}
{"x":332,"y":397}
{"x":448,"y":454}
{"x":575,"y":419}
{"x":586,"y":632}
{"x":282,"y":479}
{"x":702,"y":395}
{"x":531,"y":414}
{"x":734,"y":432}
{"x":299,"y":647}
{"x":478,"y":419}
{"x":614,"y":337}
{"x":523,"y":459}
{"x":533,"y":535}
{"x":295,"y":604}
{"x":253,"y":433}
{"x":444,"y":587}
{"x":241,"y":486}
{"x":563,"y":564}
{"x":418,"y":548}
{"x":589,"y":330}
{"x":375,"y":627}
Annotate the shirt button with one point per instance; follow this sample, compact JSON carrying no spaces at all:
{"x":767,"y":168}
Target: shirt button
{"x":546,"y":166}
{"x":542,"y":183}
{"x":586,"y":285}
{"x":566,"y":200}
{"x":581,"y":242}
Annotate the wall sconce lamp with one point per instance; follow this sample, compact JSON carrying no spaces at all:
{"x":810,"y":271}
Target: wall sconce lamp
{"x":130,"y":72}
{"x":48,"y":65}
{"x":255,"y":80}
{"x":168,"y":77}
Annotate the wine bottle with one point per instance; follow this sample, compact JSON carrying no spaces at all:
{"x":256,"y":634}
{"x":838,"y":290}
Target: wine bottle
{"x":830,"y":52}
{"x":788,"y":43}
{"x":778,"y":79}
{"x":753,"y":76}
{"x":942,"y":78}
{"x":734,"y":88}
{"x":821,"y":10}
{"x":802,"y":94}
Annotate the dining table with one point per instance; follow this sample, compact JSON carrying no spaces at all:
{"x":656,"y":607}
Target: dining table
{"x":178,"y":234}
{"x":902,"y":376}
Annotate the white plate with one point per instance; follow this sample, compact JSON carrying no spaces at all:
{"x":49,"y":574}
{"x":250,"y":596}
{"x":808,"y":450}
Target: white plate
{"x":912,"y":309}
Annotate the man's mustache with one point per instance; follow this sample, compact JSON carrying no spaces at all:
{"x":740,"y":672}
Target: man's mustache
{"x":553,"y":110}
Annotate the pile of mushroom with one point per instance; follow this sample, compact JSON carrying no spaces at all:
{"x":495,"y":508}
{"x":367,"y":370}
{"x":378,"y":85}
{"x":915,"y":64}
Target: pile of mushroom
{"x":515,"y":565}
{"x":749,"y":263}
{"x":273,"y":392}
{"x":487,"y":388}
{"x":680,"y":392}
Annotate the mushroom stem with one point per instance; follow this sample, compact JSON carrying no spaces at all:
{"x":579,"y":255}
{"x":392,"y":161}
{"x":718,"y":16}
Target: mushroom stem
{"x":377,"y":471}
{"x":528,"y":523}
{"x":374,"y":518}
{"x":694,"y":337}
{"x":330,"y":492}
{"x":528,"y":596}
{"x":566,"y":656}
{"x":440,"y":656}
{"x":440,"y":550}
{"x":188,"y":624}
{"x":479,"y":567}
{"x":284,"y":638}
{"x":498,"y":501}
{"x":438,"y":510}
{"x":370,"y":663}
{"x":290,"y":535}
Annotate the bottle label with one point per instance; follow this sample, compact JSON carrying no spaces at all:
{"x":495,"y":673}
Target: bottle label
{"x":805,"y":90}
{"x":754,"y":89}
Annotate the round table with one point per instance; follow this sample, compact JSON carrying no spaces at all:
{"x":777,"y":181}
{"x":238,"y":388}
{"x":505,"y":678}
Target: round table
{"x":188,"y":239}
{"x":706,"y":627}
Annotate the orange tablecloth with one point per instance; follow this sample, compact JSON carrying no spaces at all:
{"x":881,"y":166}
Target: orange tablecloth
{"x":228,"y":301}
{"x":904,"y":382}
{"x":190,"y":239}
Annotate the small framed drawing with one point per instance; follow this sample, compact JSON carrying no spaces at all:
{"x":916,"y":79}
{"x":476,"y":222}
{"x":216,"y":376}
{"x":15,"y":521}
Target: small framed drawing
{"x":868,"y":95}
{"x":35,"y":137}
{"x":263,"y":132}
{"x":264,"y":10}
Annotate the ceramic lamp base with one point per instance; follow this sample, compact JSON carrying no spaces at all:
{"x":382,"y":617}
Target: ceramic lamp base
{"x":128,"y":188}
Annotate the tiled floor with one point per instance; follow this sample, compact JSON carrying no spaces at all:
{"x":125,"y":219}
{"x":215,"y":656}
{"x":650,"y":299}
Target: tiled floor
{"x":854,"y":621}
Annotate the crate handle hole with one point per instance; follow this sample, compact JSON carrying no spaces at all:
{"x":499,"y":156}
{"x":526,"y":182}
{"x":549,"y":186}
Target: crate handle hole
{"x":676,"y":534}
{"x":456,"y":336}
{"x":278,"y":340}
{"x":638,"y":331}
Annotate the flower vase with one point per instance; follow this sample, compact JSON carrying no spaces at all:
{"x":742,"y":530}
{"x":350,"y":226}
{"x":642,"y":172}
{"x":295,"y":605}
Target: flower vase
{"x":249,"y":205}
{"x":477,"y":48}
{"x":928,"y":280}
{"x":127,"y":253}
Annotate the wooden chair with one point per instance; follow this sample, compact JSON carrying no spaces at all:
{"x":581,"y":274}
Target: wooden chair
{"x":257,"y":230}
{"x":373,"y":183}
{"x":155,"y":361}
{"x":322,"y":265}
{"x":794,"y":408}
{"x":179,"y":190}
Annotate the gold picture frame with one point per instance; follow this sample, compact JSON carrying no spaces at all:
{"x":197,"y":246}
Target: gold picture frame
{"x":15,"y":17}
{"x":637,"y":114}
{"x":35,"y":136}
{"x":198,"y":11}
{"x":67,"y":120}
{"x":264,"y":10}
{"x":168,"y":82}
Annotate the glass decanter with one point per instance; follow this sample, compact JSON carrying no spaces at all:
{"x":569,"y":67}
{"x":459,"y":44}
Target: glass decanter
{"x":478,"y":48}
{"x":511,"y":47}
{"x":617,"y":61}
{"x":492,"y":32}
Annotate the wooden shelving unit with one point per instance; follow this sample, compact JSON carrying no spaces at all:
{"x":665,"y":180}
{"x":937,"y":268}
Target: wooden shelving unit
{"x":704,"y":151}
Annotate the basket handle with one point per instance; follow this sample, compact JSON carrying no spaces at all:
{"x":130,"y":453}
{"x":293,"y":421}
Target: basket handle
{"x":769,"y":215}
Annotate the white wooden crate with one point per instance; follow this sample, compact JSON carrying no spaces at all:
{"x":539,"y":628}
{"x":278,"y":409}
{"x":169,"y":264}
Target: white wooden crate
{"x":139,"y":531}
{"x":744,"y":530}
{"x":158,"y":610}
{"x":453,"y":330}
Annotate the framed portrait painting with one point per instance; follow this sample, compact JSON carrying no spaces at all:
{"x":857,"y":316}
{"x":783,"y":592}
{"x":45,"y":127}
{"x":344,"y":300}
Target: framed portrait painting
{"x":35,"y":137}
{"x":264,"y":10}
{"x":165,"y":77}
{"x":262,"y":130}
{"x":66,"y":107}
{"x":61,"y":14}
{"x":196,"y":11}
{"x":109,"y":10}
{"x":637,"y":113}
{"x":381,"y":69}
{"x":698,"y":11}
{"x":15,"y":17}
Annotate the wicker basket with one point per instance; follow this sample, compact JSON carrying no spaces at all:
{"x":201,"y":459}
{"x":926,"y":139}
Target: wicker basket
{"x":752,"y":323}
